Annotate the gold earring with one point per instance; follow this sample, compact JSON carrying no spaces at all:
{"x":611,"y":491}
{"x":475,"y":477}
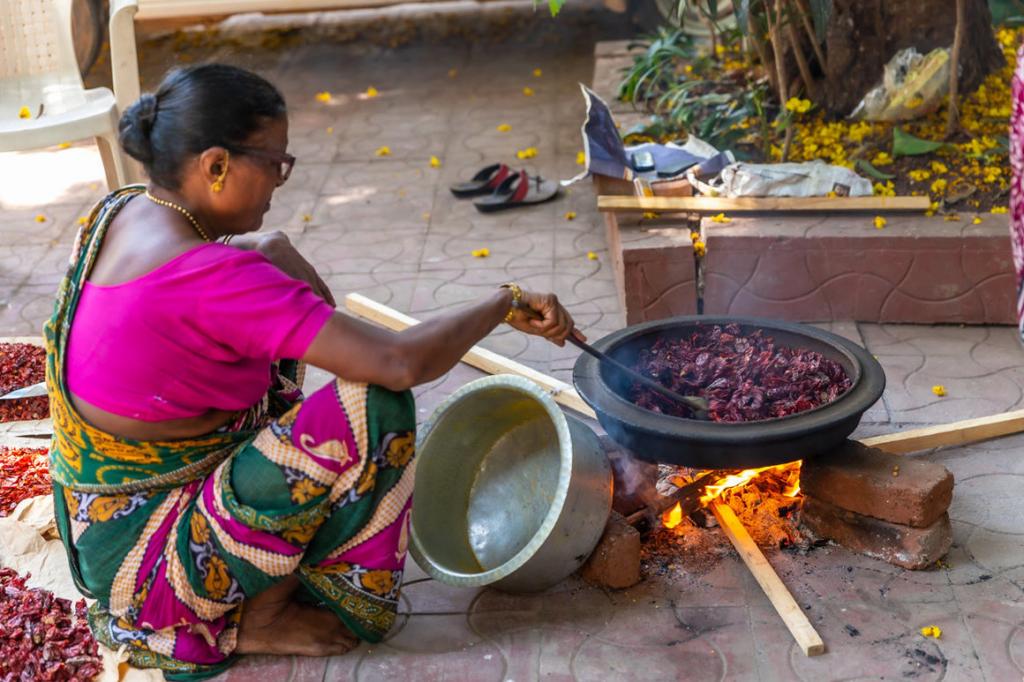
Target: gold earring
{"x":218,"y":184}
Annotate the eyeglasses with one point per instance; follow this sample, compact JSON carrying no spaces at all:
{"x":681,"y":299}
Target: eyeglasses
{"x":282,"y":160}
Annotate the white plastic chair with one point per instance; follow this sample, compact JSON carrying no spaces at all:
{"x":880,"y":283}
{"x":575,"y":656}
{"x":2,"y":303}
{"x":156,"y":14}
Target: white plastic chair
{"x":38,"y":71}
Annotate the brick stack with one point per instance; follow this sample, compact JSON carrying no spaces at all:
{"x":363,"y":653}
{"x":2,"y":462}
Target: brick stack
{"x":886,"y":506}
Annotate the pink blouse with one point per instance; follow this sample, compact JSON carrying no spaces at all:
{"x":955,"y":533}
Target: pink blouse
{"x":196,"y":334}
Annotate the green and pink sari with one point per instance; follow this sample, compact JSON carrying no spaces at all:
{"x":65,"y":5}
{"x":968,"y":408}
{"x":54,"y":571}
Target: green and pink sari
{"x":172,"y":537}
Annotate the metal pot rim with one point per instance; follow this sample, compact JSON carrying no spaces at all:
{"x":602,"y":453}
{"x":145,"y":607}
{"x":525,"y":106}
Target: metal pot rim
{"x":558,"y":419}
{"x":868,"y":384}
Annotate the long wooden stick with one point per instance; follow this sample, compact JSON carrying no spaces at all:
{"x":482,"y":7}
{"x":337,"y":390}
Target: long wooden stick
{"x":915,"y":440}
{"x":704,"y":205}
{"x":790,"y":612}
{"x":478,"y":357}
{"x":945,"y":435}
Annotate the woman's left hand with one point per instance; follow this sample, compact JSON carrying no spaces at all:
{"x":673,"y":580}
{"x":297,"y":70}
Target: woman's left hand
{"x":279,"y":250}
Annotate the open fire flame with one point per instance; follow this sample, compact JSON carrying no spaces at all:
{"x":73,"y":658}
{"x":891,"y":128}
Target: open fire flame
{"x":789,"y":472}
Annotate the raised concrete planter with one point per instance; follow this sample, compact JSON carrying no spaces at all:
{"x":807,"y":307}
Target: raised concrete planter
{"x":917,"y":269}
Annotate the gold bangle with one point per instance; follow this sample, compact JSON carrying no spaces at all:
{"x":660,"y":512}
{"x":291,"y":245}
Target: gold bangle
{"x":517,"y":297}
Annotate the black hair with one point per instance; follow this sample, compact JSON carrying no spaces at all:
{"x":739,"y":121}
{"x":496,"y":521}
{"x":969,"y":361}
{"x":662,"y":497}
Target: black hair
{"x":196,"y":108}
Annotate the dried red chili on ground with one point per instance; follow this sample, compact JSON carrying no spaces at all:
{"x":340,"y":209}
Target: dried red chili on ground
{"x":744,"y":377}
{"x":22,"y":364}
{"x":40,"y":637}
{"x":24,"y":473}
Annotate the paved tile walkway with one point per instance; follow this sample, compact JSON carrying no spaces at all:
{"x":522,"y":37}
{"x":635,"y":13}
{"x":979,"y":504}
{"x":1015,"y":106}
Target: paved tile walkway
{"x":388,"y":228}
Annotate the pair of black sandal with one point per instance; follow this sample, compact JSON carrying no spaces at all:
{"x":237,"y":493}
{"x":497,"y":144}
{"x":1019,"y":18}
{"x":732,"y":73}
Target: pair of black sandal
{"x":501,"y":188}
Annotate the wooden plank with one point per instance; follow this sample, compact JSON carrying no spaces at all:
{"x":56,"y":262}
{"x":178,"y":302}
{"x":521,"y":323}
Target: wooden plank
{"x":761,"y":204}
{"x":945,"y":435}
{"x":478,"y":357}
{"x":790,"y":612}
{"x":915,"y":440}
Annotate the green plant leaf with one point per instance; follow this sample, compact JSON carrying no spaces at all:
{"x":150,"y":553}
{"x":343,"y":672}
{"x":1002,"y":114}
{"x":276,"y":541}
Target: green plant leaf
{"x":872,"y":171}
{"x":905,"y":144}
{"x":821,"y":11}
{"x":555,"y":6}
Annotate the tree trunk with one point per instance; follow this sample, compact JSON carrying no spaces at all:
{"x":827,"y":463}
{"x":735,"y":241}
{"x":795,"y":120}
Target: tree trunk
{"x":863,"y":35}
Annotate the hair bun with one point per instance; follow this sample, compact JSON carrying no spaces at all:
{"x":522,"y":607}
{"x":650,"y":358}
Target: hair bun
{"x":135,"y":128}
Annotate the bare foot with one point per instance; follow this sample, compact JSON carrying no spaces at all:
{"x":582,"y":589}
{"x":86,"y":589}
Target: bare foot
{"x":273,"y":624}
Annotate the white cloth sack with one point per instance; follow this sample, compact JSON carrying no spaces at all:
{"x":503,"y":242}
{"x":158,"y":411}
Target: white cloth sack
{"x":810,"y":179}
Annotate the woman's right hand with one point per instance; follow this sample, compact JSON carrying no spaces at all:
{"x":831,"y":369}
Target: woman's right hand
{"x":542,"y":315}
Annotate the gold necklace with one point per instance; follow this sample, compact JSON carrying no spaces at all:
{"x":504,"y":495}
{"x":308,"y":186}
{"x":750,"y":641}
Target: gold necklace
{"x":183,"y":211}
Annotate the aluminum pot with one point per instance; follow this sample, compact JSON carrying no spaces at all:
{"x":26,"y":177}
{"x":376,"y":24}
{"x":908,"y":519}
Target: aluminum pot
{"x":510,"y":491}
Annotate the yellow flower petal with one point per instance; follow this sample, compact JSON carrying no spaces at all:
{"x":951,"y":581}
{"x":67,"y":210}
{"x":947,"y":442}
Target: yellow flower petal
{"x":528,"y":153}
{"x":306,"y":217}
{"x":591,"y":255}
{"x":40,"y":218}
{"x":371,"y":92}
{"x":83,"y":221}
{"x":581,"y":158}
{"x":939,"y":390}
{"x":383,"y":151}
{"x":831,"y":195}
{"x":528,"y":91}
{"x":537,"y":73}
{"x":879,"y":222}
{"x":330,"y":130}
{"x":649,"y":215}
{"x":504,"y":128}
{"x":700,"y":248}
{"x":63,"y":145}
{"x":481,"y":253}
{"x":999,"y":209}
{"x":721,"y":218}
{"x":977,"y":220}
{"x":435,"y":162}
{"x":881,"y":159}
{"x":570,"y":215}
{"x":931,"y":631}
{"x":24,"y":112}
{"x":324,"y":97}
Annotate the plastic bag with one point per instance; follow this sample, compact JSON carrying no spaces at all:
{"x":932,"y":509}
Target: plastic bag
{"x":912,"y":86}
{"x":811,"y":179}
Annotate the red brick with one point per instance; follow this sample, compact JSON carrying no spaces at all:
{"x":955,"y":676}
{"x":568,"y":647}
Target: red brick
{"x":913,"y":548}
{"x":615,"y":562}
{"x":860,"y":479}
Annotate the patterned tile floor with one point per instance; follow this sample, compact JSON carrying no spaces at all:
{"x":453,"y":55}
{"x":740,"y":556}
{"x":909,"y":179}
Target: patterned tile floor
{"x":388,"y":228}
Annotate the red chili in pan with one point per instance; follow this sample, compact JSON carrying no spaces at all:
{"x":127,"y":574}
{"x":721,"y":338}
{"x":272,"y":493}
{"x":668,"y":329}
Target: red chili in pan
{"x":745,"y":377}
